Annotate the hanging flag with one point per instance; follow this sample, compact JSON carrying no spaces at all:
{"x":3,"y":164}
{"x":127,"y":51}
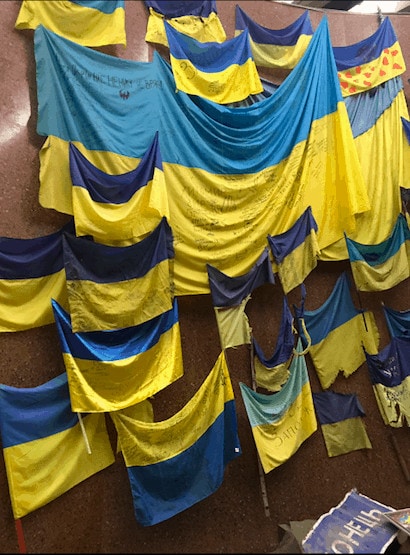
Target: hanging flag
{"x":355,"y":525}
{"x":118,"y":287}
{"x":225,"y":194}
{"x":196,"y":18}
{"x":230,"y":296}
{"x":398,"y":322}
{"x":389,"y":371}
{"x":275,"y":48}
{"x":45,"y":449}
{"x":118,"y":210}
{"x":114,"y":369}
{"x":31,"y":273}
{"x":382,"y":266}
{"x":87,"y":22}
{"x":296,"y":251}
{"x":341,"y":420}
{"x":178,"y":462}
{"x":370,"y":62}
{"x":338,"y":331}
{"x":221,"y":72}
{"x":281,"y":421}
{"x":272,"y":373}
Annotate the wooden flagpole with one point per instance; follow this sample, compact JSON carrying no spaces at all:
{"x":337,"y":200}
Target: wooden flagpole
{"x":20,"y":536}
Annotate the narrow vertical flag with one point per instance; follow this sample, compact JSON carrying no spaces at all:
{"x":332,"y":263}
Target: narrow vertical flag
{"x":44,"y":448}
{"x":178,"y":462}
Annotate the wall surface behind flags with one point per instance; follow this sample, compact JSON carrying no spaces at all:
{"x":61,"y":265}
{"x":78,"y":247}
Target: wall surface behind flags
{"x":97,"y":515}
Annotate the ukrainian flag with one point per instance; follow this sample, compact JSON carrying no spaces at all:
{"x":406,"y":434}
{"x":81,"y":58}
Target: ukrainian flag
{"x":117,"y":287}
{"x":275,"y":48}
{"x":233,"y":175}
{"x":296,"y":251}
{"x":398,"y":322}
{"x":338,"y":332}
{"x":118,"y":210}
{"x":175,"y":463}
{"x":114,"y":369}
{"x":46,"y":451}
{"x":380,"y":267}
{"x":196,"y":18}
{"x":223,"y":73}
{"x":281,"y":421}
{"x":31,"y":273}
{"x":341,"y":420}
{"x":87,"y":22}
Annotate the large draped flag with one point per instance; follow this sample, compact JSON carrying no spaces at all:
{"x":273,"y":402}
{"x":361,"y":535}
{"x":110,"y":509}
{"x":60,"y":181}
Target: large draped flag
{"x":397,"y":321}
{"x":281,"y":421}
{"x":196,"y":18}
{"x":230,"y":296}
{"x":176,"y":463}
{"x":370,"y":62}
{"x":382,"y":266}
{"x":118,"y":209}
{"x":112,"y":287}
{"x":233,"y":176}
{"x":389,"y":371}
{"x":271,"y":373}
{"x":87,"y":22}
{"x":296,"y":251}
{"x":275,"y":48}
{"x":114,"y":369}
{"x":338,"y":331}
{"x":47,"y":449}
{"x":340,"y":416}
{"x":222,"y":72}
{"x":31,"y":273}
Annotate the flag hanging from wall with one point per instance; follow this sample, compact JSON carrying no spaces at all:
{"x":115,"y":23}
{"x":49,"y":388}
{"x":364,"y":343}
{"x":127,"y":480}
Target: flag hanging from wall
{"x":275,"y":48}
{"x":226,"y":195}
{"x":397,"y":321}
{"x":178,"y":462}
{"x":382,"y":266}
{"x":389,"y":371}
{"x":118,"y":210}
{"x":112,"y":287}
{"x":338,"y":331}
{"x":31,"y":273}
{"x":222,"y":72}
{"x":296,"y":251}
{"x":340,"y":416}
{"x":281,"y":421}
{"x":114,"y":369}
{"x":45,"y":450}
{"x":197,"y":18}
{"x":87,"y":22}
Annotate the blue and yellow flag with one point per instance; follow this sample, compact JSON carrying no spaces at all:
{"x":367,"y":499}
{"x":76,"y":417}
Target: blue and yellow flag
{"x":370,"y":62}
{"x":118,"y":210}
{"x":380,"y":267}
{"x":233,"y":176}
{"x":230,"y":296}
{"x":338,"y":331}
{"x":389,"y":371}
{"x":31,"y":274}
{"x":281,"y":421}
{"x":222,"y":72}
{"x":87,"y":22}
{"x":114,"y":369}
{"x":340,"y":416}
{"x":111,"y":287}
{"x":271,"y":373}
{"x":275,"y":48}
{"x":178,"y":462}
{"x":296,"y":251}
{"x":47,"y":450}
{"x":196,"y":18}
{"x":397,"y":321}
